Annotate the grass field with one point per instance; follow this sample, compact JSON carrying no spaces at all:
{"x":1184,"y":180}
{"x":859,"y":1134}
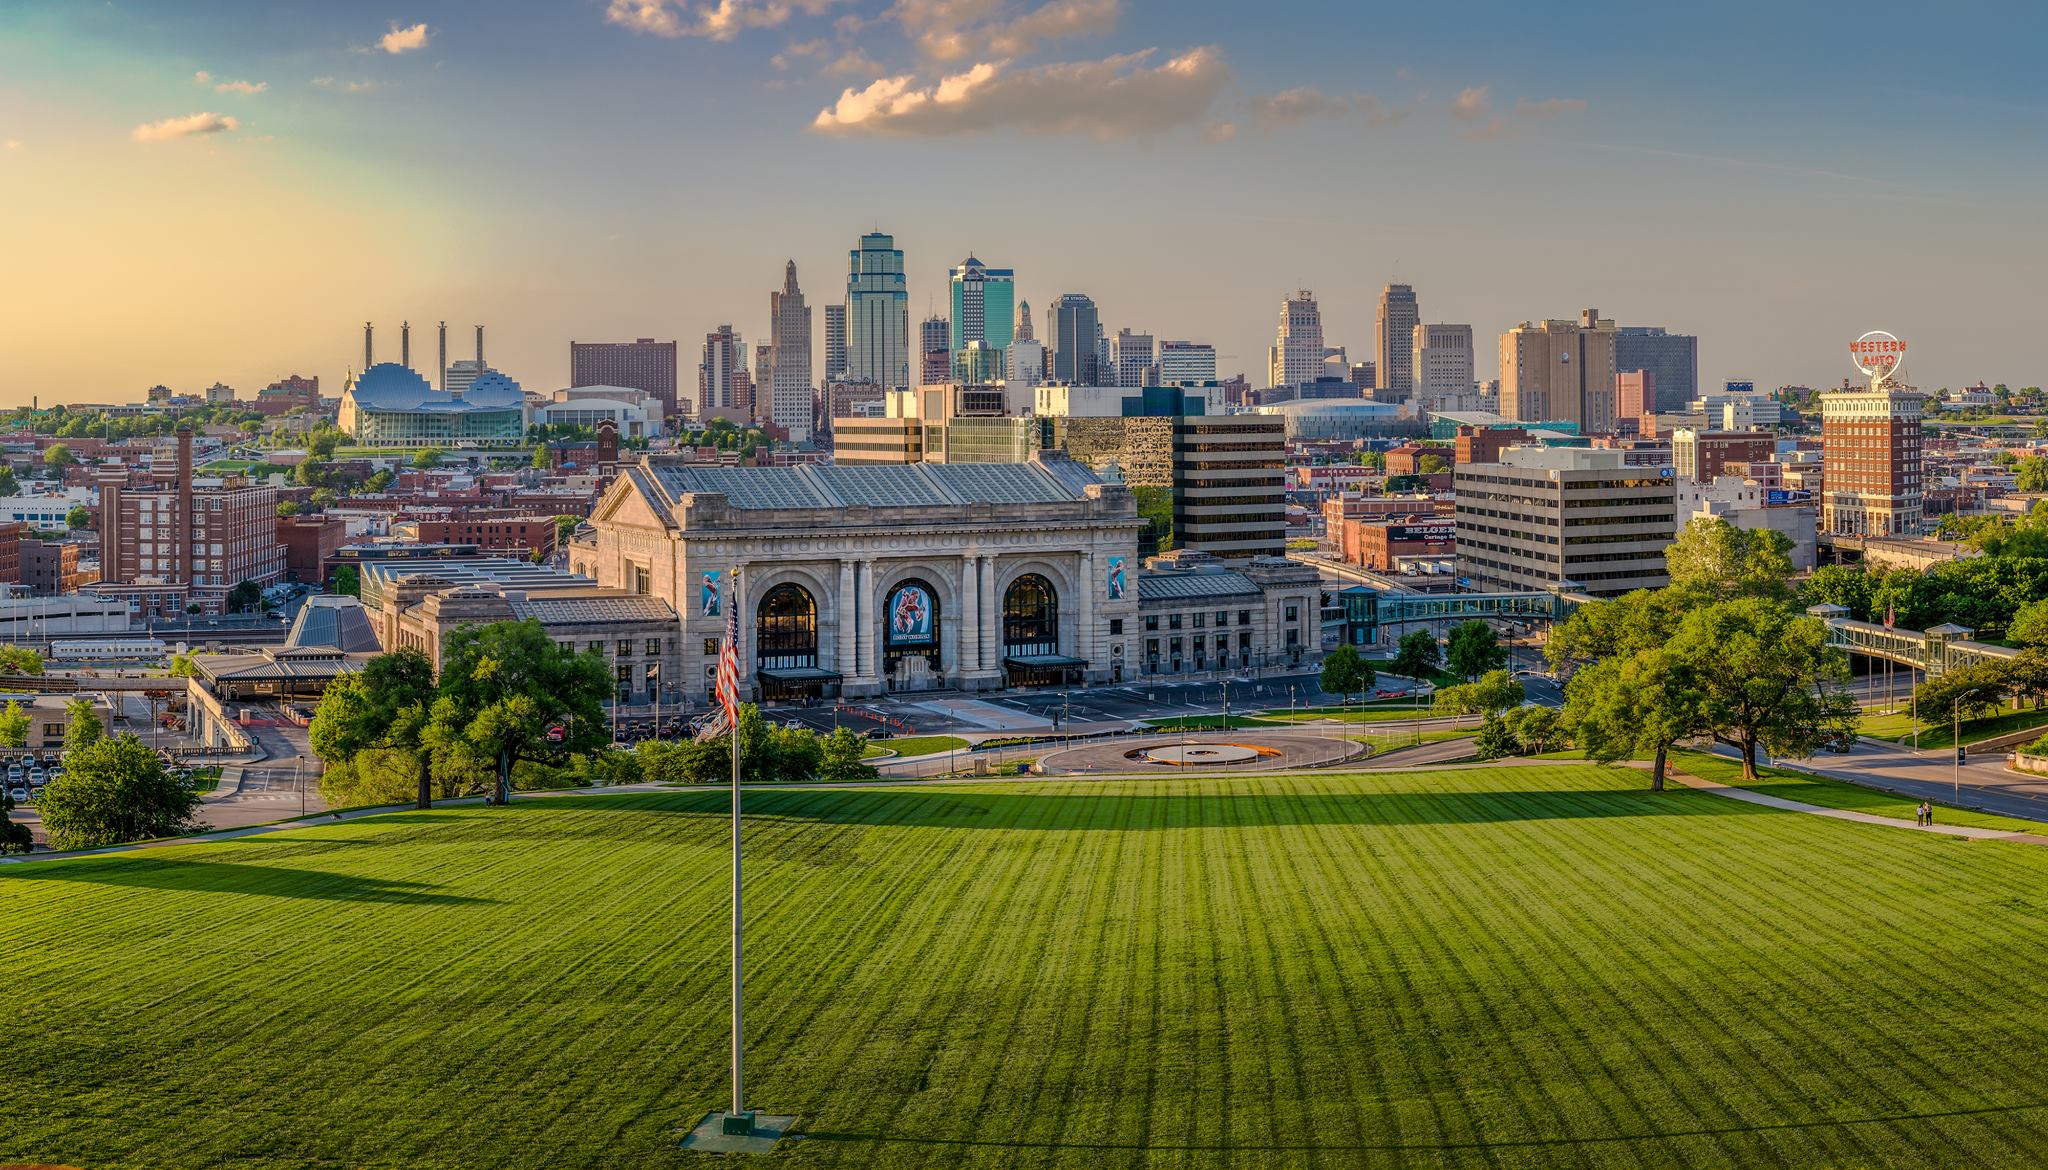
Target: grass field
{"x":1820,"y":790}
{"x":1533,"y":966}
{"x":918,"y":745}
{"x":1899,"y":727}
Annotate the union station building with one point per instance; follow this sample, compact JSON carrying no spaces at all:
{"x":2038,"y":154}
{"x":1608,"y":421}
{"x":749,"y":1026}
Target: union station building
{"x":860,"y":580}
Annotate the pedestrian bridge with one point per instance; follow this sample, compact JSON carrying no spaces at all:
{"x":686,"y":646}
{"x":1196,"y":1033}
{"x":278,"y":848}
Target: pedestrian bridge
{"x":1366,"y":609}
{"x":1943,"y":648}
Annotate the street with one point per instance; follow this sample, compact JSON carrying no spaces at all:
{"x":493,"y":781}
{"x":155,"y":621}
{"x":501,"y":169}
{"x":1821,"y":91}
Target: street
{"x":1985,"y":783}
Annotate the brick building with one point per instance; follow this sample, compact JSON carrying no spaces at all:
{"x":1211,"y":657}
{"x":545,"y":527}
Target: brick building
{"x":10,"y":552}
{"x":179,"y":543}
{"x":1484,"y":444}
{"x":1703,"y":455}
{"x":1870,"y":452}
{"x":520,"y":536}
{"x":52,"y":568}
{"x":1381,"y":545}
{"x":287,"y":394}
{"x":308,"y":543}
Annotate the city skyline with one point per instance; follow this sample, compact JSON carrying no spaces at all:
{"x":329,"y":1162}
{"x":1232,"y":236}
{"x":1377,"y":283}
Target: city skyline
{"x":306,"y":171}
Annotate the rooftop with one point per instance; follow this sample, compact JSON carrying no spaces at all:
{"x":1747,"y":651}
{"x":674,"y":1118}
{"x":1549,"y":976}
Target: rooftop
{"x":1052,"y":481}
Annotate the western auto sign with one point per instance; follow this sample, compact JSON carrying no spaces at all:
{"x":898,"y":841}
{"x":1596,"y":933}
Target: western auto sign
{"x":1878,"y":355}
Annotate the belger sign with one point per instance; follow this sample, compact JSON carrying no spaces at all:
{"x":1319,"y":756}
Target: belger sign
{"x":1878,"y":355}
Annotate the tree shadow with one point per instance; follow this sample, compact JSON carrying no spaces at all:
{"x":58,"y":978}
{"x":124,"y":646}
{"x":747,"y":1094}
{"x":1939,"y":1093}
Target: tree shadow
{"x":223,"y":877}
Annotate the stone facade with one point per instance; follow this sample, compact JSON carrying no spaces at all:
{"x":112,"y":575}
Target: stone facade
{"x":1196,"y":614}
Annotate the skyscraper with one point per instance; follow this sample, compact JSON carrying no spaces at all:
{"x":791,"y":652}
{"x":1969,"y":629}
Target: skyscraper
{"x":1560,"y":371}
{"x":723,"y":387}
{"x":1673,"y":357}
{"x":1183,"y":363}
{"x":935,"y":360}
{"x":1297,"y":354}
{"x":790,"y":396}
{"x":982,"y":304}
{"x":1135,"y":364}
{"x":877,"y":313}
{"x":1074,"y":330}
{"x":1023,"y":332}
{"x":1870,"y":446}
{"x":835,"y":343}
{"x":1442,"y":372}
{"x":1398,"y":317}
{"x":644,"y":364}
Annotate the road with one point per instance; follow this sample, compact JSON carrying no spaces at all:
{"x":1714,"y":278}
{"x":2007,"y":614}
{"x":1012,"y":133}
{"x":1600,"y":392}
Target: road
{"x":1984,"y":783}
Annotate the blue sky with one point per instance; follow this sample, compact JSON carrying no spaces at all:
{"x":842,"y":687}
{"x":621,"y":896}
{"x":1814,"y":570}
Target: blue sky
{"x":1776,"y":178}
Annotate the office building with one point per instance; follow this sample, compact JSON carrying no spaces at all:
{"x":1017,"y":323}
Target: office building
{"x":288,"y":394}
{"x":1202,"y":613}
{"x":724,"y":388}
{"x":982,"y":303}
{"x":877,"y":313}
{"x":1184,"y":363}
{"x":389,"y":405}
{"x":1395,"y":333}
{"x":835,"y":343}
{"x":1674,"y":358}
{"x":1023,"y":331}
{"x":1074,"y":329}
{"x":1560,"y":371}
{"x":183,"y":541}
{"x":1366,"y":376}
{"x":1136,"y":364}
{"x":634,"y":412}
{"x":792,"y":402}
{"x":977,"y":362}
{"x":643,"y":364}
{"x":1230,"y":484}
{"x":935,"y":356}
{"x":1703,"y":455}
{"x":1297,"y":353}
{"x":1870,"y":461}
{"x":1025,"y":361}
{"x":1441,"y":376}
{"x":1569,"y":518}
{"x":1635,"y":401}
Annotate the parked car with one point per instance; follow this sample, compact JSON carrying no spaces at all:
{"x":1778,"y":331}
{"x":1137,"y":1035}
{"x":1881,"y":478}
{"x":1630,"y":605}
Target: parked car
{"x":793,"y":724}
{"x":879,"y":733}
{"x":19,"y":794}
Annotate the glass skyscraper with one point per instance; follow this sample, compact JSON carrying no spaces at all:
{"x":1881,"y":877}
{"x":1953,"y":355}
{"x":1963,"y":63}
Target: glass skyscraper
{"x":877,"y":313}
{"x":984,"y":302}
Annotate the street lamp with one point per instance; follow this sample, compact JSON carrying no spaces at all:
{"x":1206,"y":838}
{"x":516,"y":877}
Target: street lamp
{"x":299,"y":781}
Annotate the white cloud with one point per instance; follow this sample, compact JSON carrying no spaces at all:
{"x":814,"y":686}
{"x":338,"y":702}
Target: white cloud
{"x":1115,"y":97}
{"x":721,"y":21}
{"x":1550,"y":107}
{"x":1472,"y":104}
{"x":343,"y":85}
{"x":186,"y":127}
{"x":852,"y":63}
{"x":1294,"y":105}
{"x":201,"y":77}
{"x":955,"y":30}
{"x":404,"y":40}
{"x":245,"y":88}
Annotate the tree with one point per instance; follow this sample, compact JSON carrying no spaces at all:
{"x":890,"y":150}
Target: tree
{"x":379,"y":480}
{"x":322,"y":443}
{"x":839,"y":757}
{"x":1537,"y":728}
{"x":79,"y":518}
{"x":84,"y":728}
{"x":1474,"y":650}
{"x":13,"y":725}
{"x":1712,"y":558}
{"x":1431,"y":465}
{"x":57,"y":456}
{"x":1641,"y":702}
{"x":183,"y":666}
{"x":1495,"y":740}
{"x":1346,"y":672}
{"x":347,"y":581}
{"x":323,"y":497}
{"x":1416,"y":656}
{"x":427,"y":457}
{"x":1845,"y":585}
{"x":505,"y":686}
{"x":310,"y":473}
{"x":1966,"y":693}
{"x":2029,"y":626}
{"x":541,"y":461}
{"x":1155,"y":508}
{"x":113,"y":791}
{"x":245,"y":596}
{"x":388,"y":706}
{"x":20,"y":660}
{"x":9,"y":485}
{"x":1493,"y":693}
{"x":1765,"y":677}
{"x":2031,"y":475}
{"x":565,"y":527}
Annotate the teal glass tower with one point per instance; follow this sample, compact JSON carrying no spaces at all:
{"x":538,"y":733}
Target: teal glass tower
{"x":984,"y":304}
{"x":877,"y":313}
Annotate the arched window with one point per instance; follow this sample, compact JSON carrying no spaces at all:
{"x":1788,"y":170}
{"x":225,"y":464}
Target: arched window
{"x":786,"y":629}
{"x":1031,"y":617}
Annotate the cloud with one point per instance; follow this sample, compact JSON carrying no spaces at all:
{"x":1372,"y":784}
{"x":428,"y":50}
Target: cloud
{"x":852,"y":63}
{"x":245,"y":88}
{"x":955,"y":30}
{"x":1472,"y":104}
{"x":1115,"y":97}
{"x":1550,"y":107}
{"x":12,"y":144}
{"x":1219,"y":132}
{"x":404,"y":40}
{"x":722,"y":21}
{"x":201,"y":77}
{"x":1294,"y":105}
{"x":343,"y":85}
{"x":188,"y":126}
{"x":1493,"y":130}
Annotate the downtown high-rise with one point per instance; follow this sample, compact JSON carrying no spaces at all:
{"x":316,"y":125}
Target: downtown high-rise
{"x":1560,"y":371}
{"x":877,"y":313}
{"x":791,"y":404}
{"x":644,"y":364}
{"x":1395,"y":335}
{"x":835,"y":343}
{"x":1297,"y":353}
{"x":983,"y":301}
{"x":1441,"y":377}
{"x":1075,"y":330}
{"x":1674,"y":359}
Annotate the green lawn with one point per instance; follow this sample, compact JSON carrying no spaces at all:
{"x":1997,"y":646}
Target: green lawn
{"x":918,"y":745}
{"x":1899,"y":727}
{"x":1523,"y":967}
{"x":1828,"y":793}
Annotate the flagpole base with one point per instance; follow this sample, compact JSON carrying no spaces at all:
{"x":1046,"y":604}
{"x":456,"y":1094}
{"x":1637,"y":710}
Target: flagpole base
{"x":737,"y":1133}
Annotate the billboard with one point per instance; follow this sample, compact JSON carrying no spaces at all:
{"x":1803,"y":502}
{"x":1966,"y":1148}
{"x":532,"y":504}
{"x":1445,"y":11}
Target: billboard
{"x":1116,"y":578}
{"x":1422,"y":533}
{"x":910,"y":616}
{"x":708,"y":595}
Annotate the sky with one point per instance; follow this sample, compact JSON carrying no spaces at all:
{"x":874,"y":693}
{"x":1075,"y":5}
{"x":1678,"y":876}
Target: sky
{"x":197,"y":192}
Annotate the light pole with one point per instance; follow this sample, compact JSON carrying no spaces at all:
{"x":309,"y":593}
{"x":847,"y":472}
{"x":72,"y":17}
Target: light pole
{"x":299,"y":781}
{"x":1956,"y":769}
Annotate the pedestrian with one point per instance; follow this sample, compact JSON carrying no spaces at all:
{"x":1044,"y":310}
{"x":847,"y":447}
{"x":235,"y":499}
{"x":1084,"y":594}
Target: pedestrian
{"x":1929,"y":806}
{"x":1920,"y":814}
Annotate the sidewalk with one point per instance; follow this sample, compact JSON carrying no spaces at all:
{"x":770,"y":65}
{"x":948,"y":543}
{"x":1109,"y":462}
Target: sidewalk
{"x":1778,"y":802}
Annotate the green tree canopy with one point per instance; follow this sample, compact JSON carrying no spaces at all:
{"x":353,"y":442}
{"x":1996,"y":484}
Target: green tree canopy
{"x":1346,"y":672}
{"x":1475,"y":649}
{"x":388,"y":706}
{"x":503,"y":686}
{"x":2031,"y":475}
{"x":112,"y":791}
{"x":83,"y":727}
{"x":347,"y":581}
{"x":1641,"y":701}
{"x":13,"y":725}
{"x":245,"y":596}
{"x":79,"y":518}
{"x":1965,"y":693}
{"x":17,"y":659}
{"x":1495,"y":740}
{"x":1765,"y":678}
{"x":57,"y":456}
{"x":1494,"y":692}
{"x":1712,"y":559}
{"x":289,"y":508}
{"x":1417,"y":655}
{"x":427,"y":457}
{"x":839,"y":757}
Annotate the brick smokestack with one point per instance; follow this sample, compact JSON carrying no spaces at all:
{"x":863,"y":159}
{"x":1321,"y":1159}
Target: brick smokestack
{"x":186,"y":524}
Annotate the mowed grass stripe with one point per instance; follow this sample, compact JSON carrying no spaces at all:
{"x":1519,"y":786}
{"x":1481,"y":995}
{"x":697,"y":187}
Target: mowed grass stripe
{"x":1536,"y":966}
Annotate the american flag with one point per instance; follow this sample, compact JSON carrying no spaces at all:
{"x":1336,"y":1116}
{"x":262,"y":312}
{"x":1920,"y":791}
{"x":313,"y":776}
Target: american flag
{"x":729,"y":664}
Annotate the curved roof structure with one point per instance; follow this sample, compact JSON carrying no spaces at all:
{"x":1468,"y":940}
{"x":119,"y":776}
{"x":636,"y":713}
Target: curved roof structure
{"x":333,"y":621}
{"x":388,"y":386}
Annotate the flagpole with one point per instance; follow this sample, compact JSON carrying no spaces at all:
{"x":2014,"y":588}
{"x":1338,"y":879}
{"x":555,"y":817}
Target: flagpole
{"x":738,"y":979}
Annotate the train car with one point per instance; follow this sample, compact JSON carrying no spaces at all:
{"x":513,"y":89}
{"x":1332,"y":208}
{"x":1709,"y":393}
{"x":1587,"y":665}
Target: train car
{"x":108,"y":649}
